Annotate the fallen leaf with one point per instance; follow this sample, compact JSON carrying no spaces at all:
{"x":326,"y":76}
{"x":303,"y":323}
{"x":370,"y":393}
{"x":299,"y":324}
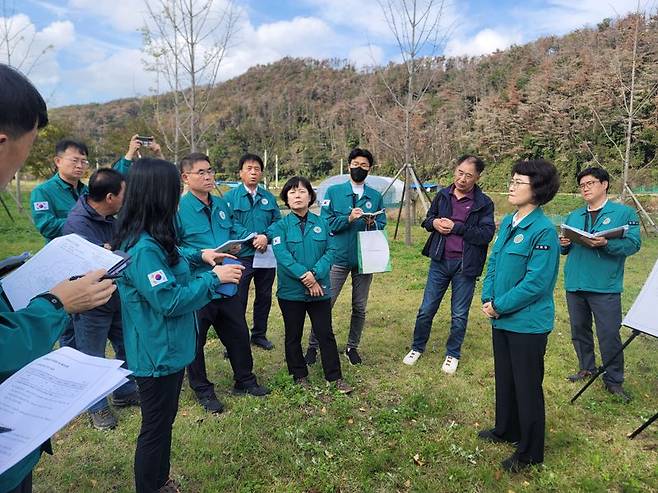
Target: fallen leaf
{"x":498,"y":474}
{"x":323,"y":410}
{"x":328,"y":454}
{"x":350,"y":421}
{"x":407,"y":484}
{"x":418,"y":460}
{"x":362,"y":409}
{"x":525,"y":483}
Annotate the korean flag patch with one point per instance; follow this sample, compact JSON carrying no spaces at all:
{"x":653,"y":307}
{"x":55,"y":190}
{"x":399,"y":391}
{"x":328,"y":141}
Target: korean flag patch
{"x":276,"y":240}
{"x":326,"y":202}
{"x":41,"y":206}
{"x":157,"y":277}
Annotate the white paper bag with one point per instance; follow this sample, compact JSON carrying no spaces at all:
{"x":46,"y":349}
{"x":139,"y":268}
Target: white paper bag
{"x":373,"y":252}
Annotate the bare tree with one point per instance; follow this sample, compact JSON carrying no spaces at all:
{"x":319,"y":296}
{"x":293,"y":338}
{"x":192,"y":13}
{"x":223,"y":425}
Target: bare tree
{"x":416,"y":27}
{"x":187,"y":41}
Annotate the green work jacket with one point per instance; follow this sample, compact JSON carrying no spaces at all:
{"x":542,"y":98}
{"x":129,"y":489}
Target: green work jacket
{"x":158,"y":302}
{"x":601,"y":270}
{"x":297,"y":253}
{"x":521,"y":274}
{"x":336,"y":207}
{"x":51,"y":203}
{"x":255,"y":214}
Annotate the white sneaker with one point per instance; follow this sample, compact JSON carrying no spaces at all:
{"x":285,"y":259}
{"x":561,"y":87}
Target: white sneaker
{"x":450,"y":365}
{"x":411,"y":358}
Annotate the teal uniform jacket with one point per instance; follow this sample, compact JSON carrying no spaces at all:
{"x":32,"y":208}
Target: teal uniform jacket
{"x":158,"y":302}
{"x":521,"y":274}
{"x":51,"y":203}
{"x":336,"y":207}
{"x":26,"y":335}
{"x":256,"y":218}
{"x":601,"y":270}
{"x":298,"y":253}
{"x":123,"y":165}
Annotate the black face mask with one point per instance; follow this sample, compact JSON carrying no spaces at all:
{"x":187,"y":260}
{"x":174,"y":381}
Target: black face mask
{"x":358,"y":174}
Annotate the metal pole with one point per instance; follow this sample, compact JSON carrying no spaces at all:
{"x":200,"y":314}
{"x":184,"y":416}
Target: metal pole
{"x":276,"y":171}
{"x":265,"y":167}
{"x":341,"y":166}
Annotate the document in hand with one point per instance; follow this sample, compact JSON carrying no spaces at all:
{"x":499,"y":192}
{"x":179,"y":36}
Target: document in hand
{"x":42,"y":397}
{"x":62,"y":258}
{"x":264,"y":260}
{"x":226,"y":246}
{"x":577,"y":235}
{"x":368,"y":215}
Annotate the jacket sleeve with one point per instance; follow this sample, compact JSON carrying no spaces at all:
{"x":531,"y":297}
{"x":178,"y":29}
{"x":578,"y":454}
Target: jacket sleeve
{"x":432,"y":214}
{"x":538,"y":278}
{"x":381,"y":219}
{"x":487,"y":283}
{"x":168,"y":297}
{"x":480,"y":233}
{"x":28,"y":334}
{"x":123,"y":165}
{"x":631,"y":242}
{"x":284,"y":258}
{"x":48,"y":225}
{"x":337,"y":222}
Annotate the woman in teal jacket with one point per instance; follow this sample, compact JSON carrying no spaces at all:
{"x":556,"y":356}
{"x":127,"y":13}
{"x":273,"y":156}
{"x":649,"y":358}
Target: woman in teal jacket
{"x":304,"y":255}
{"x":159,"y":297}
{"x":517,"y":295}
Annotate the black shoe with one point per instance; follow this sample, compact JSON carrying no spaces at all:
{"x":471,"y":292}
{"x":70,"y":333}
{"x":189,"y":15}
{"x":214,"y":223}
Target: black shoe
{"x":490,"y":436}
{"x":353,"y":356}
{"x":128,"y":400}
{"x":211,"y":404}
{"x":303,"y":383}
{"x":103,"y":419}
{"x":311,"y":356}
{"x":581,"y":375}
{"x":514,"y":465}
{"x":226,"y":355}
{"x":262,"y":342}
{"x":618,"y":390}
{"x":255,"y":390}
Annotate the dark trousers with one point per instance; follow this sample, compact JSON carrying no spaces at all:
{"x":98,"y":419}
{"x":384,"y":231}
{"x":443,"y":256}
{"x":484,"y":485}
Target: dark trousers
{"x":606,"y":309}
{"x":227,"y":317}
{"x":159,"y":404}
{"x":294,"y":313}
{"x":67,"y":339}
{"x":263,"y":281}
{"x":519,"y":370}
{"x":24,"y":486}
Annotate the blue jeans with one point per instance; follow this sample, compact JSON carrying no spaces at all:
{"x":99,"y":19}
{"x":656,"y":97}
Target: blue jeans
{"x":441,"y":274}
{"x":92,"y":330}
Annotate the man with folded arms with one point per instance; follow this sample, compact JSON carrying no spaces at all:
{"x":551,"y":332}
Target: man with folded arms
{"x":594,"y":278}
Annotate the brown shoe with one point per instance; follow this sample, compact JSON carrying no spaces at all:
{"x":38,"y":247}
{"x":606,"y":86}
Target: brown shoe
{"x":170,"y":486}
{"x":342,"y":386}
{"x":303,"y":383}
{"x":581,"y":375}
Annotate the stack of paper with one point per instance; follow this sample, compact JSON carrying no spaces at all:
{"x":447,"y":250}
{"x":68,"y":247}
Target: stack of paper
{"x":64,"y":257}
{"x":228,"y":245}
{"x":577,"y":235}
{"x":42,"y":397}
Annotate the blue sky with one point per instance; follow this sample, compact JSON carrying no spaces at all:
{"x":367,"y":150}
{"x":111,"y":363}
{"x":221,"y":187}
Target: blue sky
{"x":93,"y":48}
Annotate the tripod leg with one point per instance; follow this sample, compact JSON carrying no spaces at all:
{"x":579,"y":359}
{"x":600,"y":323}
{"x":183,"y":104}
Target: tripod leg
{"x":602,"y":368}
{"x":397,"y":223}
{"x":4,"y":204}
{"x":641,"y":428}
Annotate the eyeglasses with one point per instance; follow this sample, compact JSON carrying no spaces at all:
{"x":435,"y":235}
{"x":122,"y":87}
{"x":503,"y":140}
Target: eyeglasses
{"x":75,"y":161}
{"x":588,"y":184}
{"x":202,"y":173}
{"x":460,"y":174}
{"x":356,"y":164}
{"x":516,"y":183}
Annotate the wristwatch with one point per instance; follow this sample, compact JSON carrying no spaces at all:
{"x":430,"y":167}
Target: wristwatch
{"x":54,"y":300}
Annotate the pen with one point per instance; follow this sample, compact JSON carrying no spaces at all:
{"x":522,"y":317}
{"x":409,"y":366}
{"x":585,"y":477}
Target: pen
{"x":110,"y":276}
{"x":4,"y":429}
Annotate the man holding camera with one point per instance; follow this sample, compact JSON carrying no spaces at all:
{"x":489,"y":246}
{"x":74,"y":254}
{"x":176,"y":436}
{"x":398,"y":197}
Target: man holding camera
{"x":137,"y":145}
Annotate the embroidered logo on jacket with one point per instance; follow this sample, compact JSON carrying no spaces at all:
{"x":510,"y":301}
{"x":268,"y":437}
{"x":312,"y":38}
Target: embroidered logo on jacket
{"x":606,"y":220}
{"x":264,"y":201}
{"x":317,"y":229}
{"x":276,"y":240}
{"x":157,"y":277}
{"x":41,"y":206}
{"x":518,"y":238}
{"x":222,"y":214}
{"x":326,"y":202}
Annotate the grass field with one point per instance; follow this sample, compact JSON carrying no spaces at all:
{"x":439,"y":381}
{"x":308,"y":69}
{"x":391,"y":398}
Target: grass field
{"x":403,"y":429}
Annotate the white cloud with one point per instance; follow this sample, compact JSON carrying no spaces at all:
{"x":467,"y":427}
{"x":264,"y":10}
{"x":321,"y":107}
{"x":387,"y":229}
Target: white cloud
{"x":484,"y":42}
{"x":366,"y":56}
{"x":123,"y":15}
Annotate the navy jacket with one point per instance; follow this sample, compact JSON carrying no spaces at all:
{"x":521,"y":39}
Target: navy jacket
{"x":477,"y":231}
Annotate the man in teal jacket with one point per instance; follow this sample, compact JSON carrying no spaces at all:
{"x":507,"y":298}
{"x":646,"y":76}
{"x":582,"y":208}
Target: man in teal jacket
{"x":594,"y":278}
{"x":30,"y":333}
{"x":345,"y":208}
{"x":135,"y":148}
{"x":205,"y":222}
{"x":255,"y":209}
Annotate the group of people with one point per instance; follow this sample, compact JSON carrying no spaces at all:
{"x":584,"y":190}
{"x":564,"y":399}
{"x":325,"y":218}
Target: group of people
{"x":177,"y":285}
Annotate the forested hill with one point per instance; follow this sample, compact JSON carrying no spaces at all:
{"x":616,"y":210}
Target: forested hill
{"x":561,"y":98}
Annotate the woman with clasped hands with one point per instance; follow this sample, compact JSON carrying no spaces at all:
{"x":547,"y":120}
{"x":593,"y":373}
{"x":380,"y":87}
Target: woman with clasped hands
{"x":159,"y":297}
{"x":517,"y":295}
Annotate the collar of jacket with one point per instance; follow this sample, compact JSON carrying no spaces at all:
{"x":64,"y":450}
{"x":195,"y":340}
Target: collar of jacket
{"x":66,"y":185}
{"x":198,"y":205}
{"x":367,"y":190}
{"x":92,"y":213}
{"x":245,"y":191}
{"x":529,"y":219}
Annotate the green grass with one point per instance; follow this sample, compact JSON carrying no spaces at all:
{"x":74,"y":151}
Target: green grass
{"x":403,"y":429}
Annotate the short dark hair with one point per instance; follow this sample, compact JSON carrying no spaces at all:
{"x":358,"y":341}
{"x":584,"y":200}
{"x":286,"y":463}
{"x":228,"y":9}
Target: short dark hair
{"x":544,"y":178}
{"x":188,"y":161}
{"x":296,"y":182}
{"x":597,"y":172}
{"x":250,"y":157}
{"x":21,"y":105}
{"x":64,"y":144}
{"x":358,"y":152}
{"x":479,"y":163}
{"x":104,"y":181}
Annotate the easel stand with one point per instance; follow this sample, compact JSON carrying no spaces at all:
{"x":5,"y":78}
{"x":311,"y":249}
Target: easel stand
{"x":641,"y":428}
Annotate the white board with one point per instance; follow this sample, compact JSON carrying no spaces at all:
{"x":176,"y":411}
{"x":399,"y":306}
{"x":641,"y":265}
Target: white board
{"x":642,"y":315}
